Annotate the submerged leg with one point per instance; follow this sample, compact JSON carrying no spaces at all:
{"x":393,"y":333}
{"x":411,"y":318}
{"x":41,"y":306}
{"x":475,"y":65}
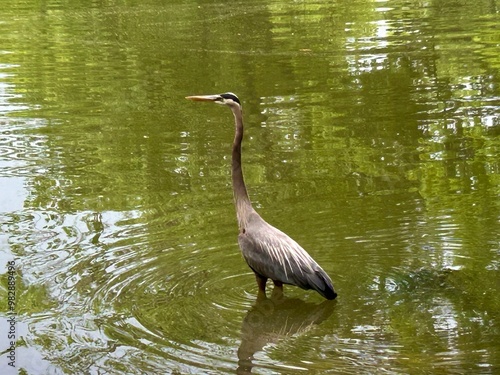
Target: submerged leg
{"x":278,"y":289}
{"x":261,"y":282}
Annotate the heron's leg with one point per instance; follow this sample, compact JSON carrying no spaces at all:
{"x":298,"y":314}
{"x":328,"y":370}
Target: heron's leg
{"x":278,"y":289}
{"x":261,"y":282}
{"x":278,"y":284}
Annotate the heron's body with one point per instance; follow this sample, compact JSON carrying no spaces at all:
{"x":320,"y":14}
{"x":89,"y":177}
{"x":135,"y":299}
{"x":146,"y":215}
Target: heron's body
{"x":269,"y":252}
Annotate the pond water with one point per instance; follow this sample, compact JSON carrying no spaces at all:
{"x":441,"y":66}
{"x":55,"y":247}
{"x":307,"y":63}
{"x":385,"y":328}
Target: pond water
{"x":372,"y":138}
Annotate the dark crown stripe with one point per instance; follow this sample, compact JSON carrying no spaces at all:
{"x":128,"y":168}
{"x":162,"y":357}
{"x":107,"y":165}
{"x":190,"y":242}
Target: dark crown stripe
{"x":230,"y":95}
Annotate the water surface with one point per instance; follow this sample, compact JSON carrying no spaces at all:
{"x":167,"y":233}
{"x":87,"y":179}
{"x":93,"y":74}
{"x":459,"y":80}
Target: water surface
{"x":372,"y":138}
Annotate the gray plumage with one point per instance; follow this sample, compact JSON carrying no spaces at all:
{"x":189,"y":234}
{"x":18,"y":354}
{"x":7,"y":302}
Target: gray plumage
{"x":269,"y":252}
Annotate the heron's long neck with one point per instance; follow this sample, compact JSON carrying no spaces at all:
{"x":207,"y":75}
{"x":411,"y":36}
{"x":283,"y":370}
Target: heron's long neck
{"x":241,"y":200}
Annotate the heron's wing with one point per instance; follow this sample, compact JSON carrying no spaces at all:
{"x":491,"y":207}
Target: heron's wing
{"x":273,"y":254}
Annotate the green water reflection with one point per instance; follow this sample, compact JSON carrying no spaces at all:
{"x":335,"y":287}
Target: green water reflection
{"x":372,"y":139}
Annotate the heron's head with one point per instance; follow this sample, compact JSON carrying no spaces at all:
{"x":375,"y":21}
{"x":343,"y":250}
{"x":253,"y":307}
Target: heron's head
{"x":227,"y":98}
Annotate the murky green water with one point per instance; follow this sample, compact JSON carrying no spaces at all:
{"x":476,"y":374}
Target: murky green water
{"x":372,"y":139}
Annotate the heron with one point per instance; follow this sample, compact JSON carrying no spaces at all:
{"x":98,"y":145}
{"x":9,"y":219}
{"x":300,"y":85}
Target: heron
{"x":269,"y":252}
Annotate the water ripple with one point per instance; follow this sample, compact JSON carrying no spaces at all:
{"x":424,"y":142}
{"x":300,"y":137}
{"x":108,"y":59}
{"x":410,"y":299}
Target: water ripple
{"x":120,"y":287}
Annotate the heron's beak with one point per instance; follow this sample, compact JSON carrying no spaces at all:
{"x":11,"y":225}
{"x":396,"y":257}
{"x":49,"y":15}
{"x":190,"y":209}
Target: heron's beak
{"x":204,"y":98}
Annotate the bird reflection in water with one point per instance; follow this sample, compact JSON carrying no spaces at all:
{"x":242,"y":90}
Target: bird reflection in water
{"x":273,"y":319}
